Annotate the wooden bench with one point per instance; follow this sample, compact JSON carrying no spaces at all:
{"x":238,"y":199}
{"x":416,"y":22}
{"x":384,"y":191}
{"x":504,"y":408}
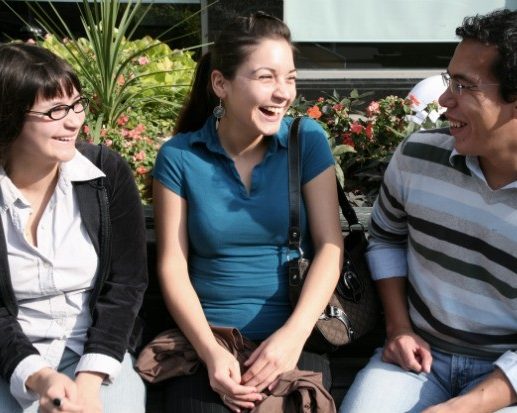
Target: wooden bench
{"x":344,"y":363}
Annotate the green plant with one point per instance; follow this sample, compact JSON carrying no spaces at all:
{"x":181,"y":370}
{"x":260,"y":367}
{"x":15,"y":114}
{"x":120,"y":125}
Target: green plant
{"x":362,"y":142}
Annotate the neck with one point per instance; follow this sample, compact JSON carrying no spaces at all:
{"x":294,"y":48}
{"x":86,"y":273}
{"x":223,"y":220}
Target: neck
{"x":236,"y":143}
{"x":28,"y":177}
{"x":500,"y":172}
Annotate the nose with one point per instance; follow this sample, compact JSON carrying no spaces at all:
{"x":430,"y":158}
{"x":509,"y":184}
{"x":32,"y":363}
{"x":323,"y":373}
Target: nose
{"x":447,"y":98}
{"x":282,"y":90}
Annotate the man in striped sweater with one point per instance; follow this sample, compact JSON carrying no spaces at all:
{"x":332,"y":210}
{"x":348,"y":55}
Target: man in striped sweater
{"x":444,"y":244}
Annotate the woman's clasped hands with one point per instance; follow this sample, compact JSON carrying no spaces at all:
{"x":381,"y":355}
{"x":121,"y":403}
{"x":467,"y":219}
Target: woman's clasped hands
{"x":275,"y":355}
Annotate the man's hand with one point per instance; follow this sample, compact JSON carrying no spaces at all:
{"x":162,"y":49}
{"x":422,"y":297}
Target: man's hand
{"x":409,"y":351}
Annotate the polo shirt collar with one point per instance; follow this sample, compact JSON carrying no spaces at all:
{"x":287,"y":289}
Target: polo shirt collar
{"x":208,"y":135}
{"x":472,"y":163}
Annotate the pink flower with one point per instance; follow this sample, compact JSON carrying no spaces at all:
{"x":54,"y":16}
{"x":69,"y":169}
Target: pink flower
{"x":86,"y":129}
{"x":143,"y":60}
{"x":121,"y":80}
{"x":373,"y":108}
{"x":30,"y":41}
{"x":356,"y":128}
{"x":108,"y":142}
{"x":104,"y":132}
{"x":140,"y":156}
{"x":142,"y":170}
{"x":320,"y":99}
{"x":337,"y":107}
{"x":122,"y":120}
{"x":414,"y":100}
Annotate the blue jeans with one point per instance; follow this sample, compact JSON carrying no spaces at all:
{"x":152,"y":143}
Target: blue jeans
{"x":126,"y":394}
{"x":385,"y":387}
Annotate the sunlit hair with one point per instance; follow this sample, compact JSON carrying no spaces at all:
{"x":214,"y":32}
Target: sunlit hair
{"x":233,"y":46}
{"x":27,"y":73}
{"x":498,"y":28}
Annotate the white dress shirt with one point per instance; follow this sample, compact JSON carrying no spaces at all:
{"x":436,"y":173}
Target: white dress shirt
{"x":52,"y":281}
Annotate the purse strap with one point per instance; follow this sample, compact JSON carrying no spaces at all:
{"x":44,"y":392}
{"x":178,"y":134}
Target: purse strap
{"x":293,"y":153}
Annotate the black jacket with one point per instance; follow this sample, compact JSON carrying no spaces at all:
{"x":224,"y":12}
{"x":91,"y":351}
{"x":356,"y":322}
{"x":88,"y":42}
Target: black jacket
{"x":113,"y":216}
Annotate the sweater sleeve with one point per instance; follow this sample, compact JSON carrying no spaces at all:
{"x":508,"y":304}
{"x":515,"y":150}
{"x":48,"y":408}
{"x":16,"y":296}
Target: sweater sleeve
{"x":388,"y":228}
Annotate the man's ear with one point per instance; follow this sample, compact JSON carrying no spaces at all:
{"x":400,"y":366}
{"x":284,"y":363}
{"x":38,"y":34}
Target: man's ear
{"x":218,"y":84}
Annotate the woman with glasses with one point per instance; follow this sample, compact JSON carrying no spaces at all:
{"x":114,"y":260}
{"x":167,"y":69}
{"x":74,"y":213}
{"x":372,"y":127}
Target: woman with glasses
{"x":72,"y":249}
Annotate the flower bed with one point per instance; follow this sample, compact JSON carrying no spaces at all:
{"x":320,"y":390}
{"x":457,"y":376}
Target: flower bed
{"x":362,"y":142}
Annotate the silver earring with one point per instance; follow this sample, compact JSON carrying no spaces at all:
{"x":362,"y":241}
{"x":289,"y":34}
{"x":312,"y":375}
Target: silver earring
{"x":219,"y":112}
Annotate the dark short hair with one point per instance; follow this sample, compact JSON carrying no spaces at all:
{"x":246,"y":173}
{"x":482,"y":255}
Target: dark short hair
{"x":498,"y":28}
{"x":28,"y":72}
{"x":229,"y":51}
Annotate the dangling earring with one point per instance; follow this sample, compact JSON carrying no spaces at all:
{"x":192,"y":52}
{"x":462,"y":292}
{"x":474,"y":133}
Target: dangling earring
{"x":218,"y":112}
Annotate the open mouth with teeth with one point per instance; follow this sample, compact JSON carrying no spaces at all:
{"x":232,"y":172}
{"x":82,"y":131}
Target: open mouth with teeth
{"x":454,"y":124}
{"x":271,"y":110}
{"x":64,"y":139}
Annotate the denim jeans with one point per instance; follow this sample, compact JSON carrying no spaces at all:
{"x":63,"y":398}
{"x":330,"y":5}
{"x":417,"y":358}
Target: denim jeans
{"x":126,"y":394}
{"x":387,"y":388}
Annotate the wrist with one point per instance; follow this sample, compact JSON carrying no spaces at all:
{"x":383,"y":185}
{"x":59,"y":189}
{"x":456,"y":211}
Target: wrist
{"x":90,"y":379}
{"x":35,"y":380}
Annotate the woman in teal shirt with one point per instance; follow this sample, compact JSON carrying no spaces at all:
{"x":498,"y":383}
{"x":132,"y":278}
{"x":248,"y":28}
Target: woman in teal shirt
{"x":221,"y":208}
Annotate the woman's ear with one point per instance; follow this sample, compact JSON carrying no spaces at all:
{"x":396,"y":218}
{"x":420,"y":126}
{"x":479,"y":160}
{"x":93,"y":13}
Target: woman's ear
{"x":218,"y":84}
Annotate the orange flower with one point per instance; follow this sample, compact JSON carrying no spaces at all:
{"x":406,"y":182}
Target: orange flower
{"x":314,"y":112}
{"x":121,"y":80}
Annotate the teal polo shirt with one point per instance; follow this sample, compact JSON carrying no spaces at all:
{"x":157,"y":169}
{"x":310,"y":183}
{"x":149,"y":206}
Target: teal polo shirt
{"x":238,"y":240}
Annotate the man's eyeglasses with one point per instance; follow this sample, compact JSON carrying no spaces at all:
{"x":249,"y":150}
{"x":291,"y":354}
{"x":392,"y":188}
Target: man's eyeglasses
{"x":456,"y":87}
{"x":60,"y":111}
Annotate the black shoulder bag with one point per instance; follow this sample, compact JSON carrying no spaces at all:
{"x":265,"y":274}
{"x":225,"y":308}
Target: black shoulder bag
{"x":353,"y":308}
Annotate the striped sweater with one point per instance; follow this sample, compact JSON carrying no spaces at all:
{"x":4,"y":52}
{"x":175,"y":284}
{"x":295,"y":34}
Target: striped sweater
{"x":437,"y":221}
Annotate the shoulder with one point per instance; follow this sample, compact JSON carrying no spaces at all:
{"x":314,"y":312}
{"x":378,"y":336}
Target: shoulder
{"x":429,"y":145}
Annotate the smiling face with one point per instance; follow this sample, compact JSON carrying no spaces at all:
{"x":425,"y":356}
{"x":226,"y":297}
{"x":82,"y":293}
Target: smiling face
{"x":482,"y":122}
{"x":263,"y":88}
{"x":44,"y":140}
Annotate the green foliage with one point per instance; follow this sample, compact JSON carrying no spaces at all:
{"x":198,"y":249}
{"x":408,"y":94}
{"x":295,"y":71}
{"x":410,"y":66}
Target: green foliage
{"x":362,"y":142}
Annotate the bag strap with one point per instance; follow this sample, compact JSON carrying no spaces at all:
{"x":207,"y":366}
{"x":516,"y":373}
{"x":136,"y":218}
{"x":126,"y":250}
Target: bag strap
{"x":294,"y":234}
{"x":293,"y":153}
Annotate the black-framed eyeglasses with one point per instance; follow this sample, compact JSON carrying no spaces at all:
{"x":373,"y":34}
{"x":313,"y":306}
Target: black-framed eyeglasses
{"x":456,"y":87}
{"x":60,"y":111}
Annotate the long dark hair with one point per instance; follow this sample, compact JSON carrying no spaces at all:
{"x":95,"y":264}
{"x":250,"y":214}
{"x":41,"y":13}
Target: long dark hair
{"x":28,"y":72}
{"x":230,"y":50}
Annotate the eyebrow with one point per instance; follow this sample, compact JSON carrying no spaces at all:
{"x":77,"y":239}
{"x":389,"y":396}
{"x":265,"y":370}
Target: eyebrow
{"x":465,"y":78}
{"x":271,"y":70}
